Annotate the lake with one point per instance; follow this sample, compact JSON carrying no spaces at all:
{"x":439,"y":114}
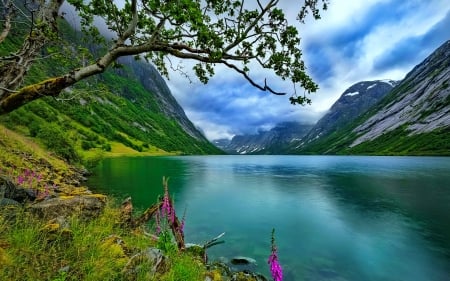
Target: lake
{"x":335,"y":217}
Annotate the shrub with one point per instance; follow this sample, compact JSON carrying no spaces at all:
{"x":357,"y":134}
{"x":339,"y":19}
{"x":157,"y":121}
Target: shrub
{"x":55,"y":140}
{"x":34,"y":128}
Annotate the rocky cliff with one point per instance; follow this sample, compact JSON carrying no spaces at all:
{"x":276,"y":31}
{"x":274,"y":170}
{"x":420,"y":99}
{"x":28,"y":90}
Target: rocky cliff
{"x":356,"y":100}
{"x":411,"y":119}
{"x":420,"y":103}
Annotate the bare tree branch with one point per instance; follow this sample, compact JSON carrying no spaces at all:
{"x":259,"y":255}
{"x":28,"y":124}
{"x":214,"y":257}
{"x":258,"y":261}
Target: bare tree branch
{"x":7,"y":22}
{"x":254,"y":84}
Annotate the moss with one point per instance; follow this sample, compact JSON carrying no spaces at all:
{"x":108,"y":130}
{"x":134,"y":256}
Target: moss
{"x":66,"y":197}
{"x":5,"y":259}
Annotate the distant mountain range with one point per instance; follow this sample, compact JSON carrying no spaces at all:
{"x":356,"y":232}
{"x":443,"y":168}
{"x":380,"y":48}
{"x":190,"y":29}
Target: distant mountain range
{"x":265,"y":142}
{"x":407,"y":117}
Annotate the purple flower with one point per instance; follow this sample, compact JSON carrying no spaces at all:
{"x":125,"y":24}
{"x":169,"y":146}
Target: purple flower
{"x":166,"y":208}
{"x":20,"y":180}
{"x":275,"y":267}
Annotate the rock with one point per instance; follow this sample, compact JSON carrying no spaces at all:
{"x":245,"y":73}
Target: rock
{"x":241,"y":263}
{"x":219,"y":271}
{"x":214,"y":275}
{"x":152,"y":259}
{"x":85,"y":206}
{"x":64,"y":269}
{"x":247,"y":276}
{"x":57,"y":229}
{"x":195,"y":250}
{"x":5,"y":202}
{"x":242,"y":260}
{"x":12,"y":191}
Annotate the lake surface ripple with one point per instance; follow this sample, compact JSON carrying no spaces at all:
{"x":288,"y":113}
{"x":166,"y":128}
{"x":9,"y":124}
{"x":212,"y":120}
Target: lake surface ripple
{"x":336,"y":217}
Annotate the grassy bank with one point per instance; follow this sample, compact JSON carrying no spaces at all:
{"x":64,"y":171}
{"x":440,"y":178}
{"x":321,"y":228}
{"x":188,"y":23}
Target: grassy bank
{"x":97,"y":249}
{"x":32,"y":248}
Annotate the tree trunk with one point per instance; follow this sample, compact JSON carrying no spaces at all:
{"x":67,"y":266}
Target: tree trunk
{"x":50,"y":87}
{"x":14,"y":67}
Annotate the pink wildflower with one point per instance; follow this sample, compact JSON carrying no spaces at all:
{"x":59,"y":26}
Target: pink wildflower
{"x":172,"y":216}
{"x":20,"y":180}
{"x":275,"y":267}
{"x":166,"y":206}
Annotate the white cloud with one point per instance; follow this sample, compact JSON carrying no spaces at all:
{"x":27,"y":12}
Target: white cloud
{"x":350,"y":52}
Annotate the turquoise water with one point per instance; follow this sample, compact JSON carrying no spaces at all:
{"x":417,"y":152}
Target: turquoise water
{"x":336,"y":218}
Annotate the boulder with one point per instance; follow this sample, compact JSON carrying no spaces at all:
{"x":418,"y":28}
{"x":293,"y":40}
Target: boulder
{"x":6,"y":202}
{"x":85,"y":206}
{"x":240,"y":260}
{"x":14,"y":192}
{"x":219,"y":271}
{"x":247,"y":276}
{"x":196,"y":251}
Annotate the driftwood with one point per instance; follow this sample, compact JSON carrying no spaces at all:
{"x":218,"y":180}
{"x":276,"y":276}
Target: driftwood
{"x":214,"y":241}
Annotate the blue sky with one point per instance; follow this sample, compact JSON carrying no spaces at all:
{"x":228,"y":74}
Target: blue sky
{"x":354,"y":41}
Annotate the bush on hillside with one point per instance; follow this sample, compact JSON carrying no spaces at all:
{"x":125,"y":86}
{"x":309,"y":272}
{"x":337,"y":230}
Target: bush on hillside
{"x":55,"y":140}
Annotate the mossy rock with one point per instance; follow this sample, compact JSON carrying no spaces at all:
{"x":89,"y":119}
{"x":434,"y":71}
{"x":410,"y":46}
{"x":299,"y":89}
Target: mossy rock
{"x":213,"y":275}
{"x":195,"y":251}
{"x":84,"y":206}
{"x":5,"y":259}
{"x":247,"y":276}
{"x":55,"y":230}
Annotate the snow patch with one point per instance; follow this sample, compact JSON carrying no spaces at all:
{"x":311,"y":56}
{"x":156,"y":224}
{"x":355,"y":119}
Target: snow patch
{"x":371,"y":86}
{"x":352,"y":94}
{"x":388,"y":81}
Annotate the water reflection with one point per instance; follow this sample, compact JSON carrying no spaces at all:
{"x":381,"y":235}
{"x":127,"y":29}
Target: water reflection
{"x":337,"y":218}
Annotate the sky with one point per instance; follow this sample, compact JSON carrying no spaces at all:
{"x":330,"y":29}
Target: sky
{"x":356,"y":40}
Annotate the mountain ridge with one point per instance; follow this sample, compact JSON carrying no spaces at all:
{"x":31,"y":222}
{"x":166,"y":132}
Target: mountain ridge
{"x":412,"y":119}
{"x":380,"y":117}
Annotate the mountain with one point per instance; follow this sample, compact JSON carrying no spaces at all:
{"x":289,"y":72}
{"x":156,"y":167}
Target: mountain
{"x":356,"y":100}
{"x":273,"y":141}
{"x":412,"y":119}
{"x":127,"y":109}
{"x":152,"y":81}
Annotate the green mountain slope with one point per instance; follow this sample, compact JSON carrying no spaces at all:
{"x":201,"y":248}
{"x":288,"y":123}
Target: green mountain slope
{"x":112,"y":113}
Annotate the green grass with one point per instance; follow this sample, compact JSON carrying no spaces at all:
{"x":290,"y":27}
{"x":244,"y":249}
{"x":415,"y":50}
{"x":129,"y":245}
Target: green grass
{"x":88,"y":250}
{"x":29,"y":252}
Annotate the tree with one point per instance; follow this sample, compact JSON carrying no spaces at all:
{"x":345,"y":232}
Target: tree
{"x":233,"y":33}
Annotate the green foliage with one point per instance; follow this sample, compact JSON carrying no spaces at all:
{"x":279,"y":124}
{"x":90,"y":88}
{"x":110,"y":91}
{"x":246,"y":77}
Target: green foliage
{"x":184,"y":268}
{"x":106,"y":116}
{"x":56,"y":140}
{"x":88,"y":253}
{"x":34,"y":128}
{"x":166,"y":243}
